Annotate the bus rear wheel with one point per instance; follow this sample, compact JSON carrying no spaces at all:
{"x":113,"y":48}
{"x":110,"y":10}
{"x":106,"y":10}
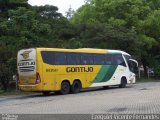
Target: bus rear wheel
{"x":65,"y":88}
{"x":76,"y":87}
{"x":105,"y":87}
{"x":123,"y":83}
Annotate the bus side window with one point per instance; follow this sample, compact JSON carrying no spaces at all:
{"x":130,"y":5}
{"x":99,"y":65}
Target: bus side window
{"x":118,"y":60}
{"x":60,"y":58}
{"x":78,"y":58}
{"x":91,"y":59}
{"x":72,"y":58}
{"x":83,"y":59}
{"x":86,"y":59}
{"x":99,"y":59}
{"x":108,"y":59}
{"x":48,"y":57}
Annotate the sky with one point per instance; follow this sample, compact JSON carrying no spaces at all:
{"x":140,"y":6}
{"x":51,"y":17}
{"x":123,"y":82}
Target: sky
{"x":63,"y":5}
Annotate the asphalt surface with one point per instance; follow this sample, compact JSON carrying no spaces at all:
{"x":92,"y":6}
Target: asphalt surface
{"x":141,"y":98}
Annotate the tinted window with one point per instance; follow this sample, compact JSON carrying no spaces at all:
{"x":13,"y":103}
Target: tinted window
{"x":48,"y":57}
{"x":99,"y":59}
{"x":73,"y":58}
{"x":118,"y":60}
{"x":60,"y":58}
{"x":108,"y":59}
{"x":64,"y":58}
{"x":133,"y":66}
{"x":86,"y":59}
{"x":127,"y":57}
{"x":90,"y":58}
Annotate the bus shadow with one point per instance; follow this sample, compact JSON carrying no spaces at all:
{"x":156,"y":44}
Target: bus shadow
{"x":103,"y":88}
{"x":87,"y":90}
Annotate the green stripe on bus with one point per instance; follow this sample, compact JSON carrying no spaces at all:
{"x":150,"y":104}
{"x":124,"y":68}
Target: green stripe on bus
{"x":109,"y":73}
{"x":101,"y":74}
{"x":105,"y":73}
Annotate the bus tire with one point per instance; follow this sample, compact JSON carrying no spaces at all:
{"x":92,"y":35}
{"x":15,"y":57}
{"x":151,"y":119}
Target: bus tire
{"x":123,"y":83}
{"x":46,"y":93}
{"x":76,"y":87}
{"x":56,"y":92}
{"x":65,"y":88}
{"x":105,"y":87}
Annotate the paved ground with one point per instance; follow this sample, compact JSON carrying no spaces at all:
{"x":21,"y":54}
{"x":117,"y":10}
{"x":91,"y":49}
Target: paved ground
{"x":138,"y":98}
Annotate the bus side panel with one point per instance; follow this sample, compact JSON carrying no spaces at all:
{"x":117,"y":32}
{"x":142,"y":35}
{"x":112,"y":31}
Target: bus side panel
{"x":49,"y":77}
{"x":65,"y":73}
{"x":108,"y":75}
{"x":54,"y":75}
{"x":39,"y":70}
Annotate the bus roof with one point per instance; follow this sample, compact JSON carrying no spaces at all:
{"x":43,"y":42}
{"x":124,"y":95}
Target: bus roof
{"x":119,"y":51}
{"x":88,"y":50}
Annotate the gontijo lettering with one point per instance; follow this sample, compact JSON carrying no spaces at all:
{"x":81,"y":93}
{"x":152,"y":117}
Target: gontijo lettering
{"x":79,"y":69}
{"x":26,"y":63}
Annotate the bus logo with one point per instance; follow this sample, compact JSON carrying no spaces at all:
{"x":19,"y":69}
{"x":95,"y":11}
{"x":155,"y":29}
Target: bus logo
{"x":26,"y":54}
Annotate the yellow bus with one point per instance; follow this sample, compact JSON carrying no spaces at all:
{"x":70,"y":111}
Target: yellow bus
{"x":70,"y":70}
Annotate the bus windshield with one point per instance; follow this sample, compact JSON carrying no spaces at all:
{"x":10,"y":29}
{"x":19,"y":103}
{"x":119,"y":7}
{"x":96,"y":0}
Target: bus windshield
{"x":132,"y":64}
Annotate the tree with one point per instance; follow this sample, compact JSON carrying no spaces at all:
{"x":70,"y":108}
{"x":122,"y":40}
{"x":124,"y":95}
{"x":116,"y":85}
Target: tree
{"x":135,"y":16}
{"x":61,"y":29}
{"x":8,"y":36}
{"x":69,"y":13}
{"x":10,"y":4}
{"x":47,"y":11}
{"x":5,"y":73}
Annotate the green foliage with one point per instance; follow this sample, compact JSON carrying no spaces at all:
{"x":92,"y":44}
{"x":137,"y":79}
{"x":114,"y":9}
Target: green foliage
{"x":134,"y":26}
{"x":157,"y":70}
{"x":85,"y":14}
{"x":100,"y":36}
{"x":5,"y":73}
{"x":48,"y":11}
{"x":23,"y":29}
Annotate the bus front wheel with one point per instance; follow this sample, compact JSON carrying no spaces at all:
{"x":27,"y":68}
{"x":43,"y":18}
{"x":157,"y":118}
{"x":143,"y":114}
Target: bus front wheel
{"x":123,"y":83}
{"x":65,"y":88}
{"x":76,"y":87}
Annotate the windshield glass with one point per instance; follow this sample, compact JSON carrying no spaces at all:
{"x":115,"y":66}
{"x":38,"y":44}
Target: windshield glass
{"x":127,"y":57}
{"x":131,"y":64}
